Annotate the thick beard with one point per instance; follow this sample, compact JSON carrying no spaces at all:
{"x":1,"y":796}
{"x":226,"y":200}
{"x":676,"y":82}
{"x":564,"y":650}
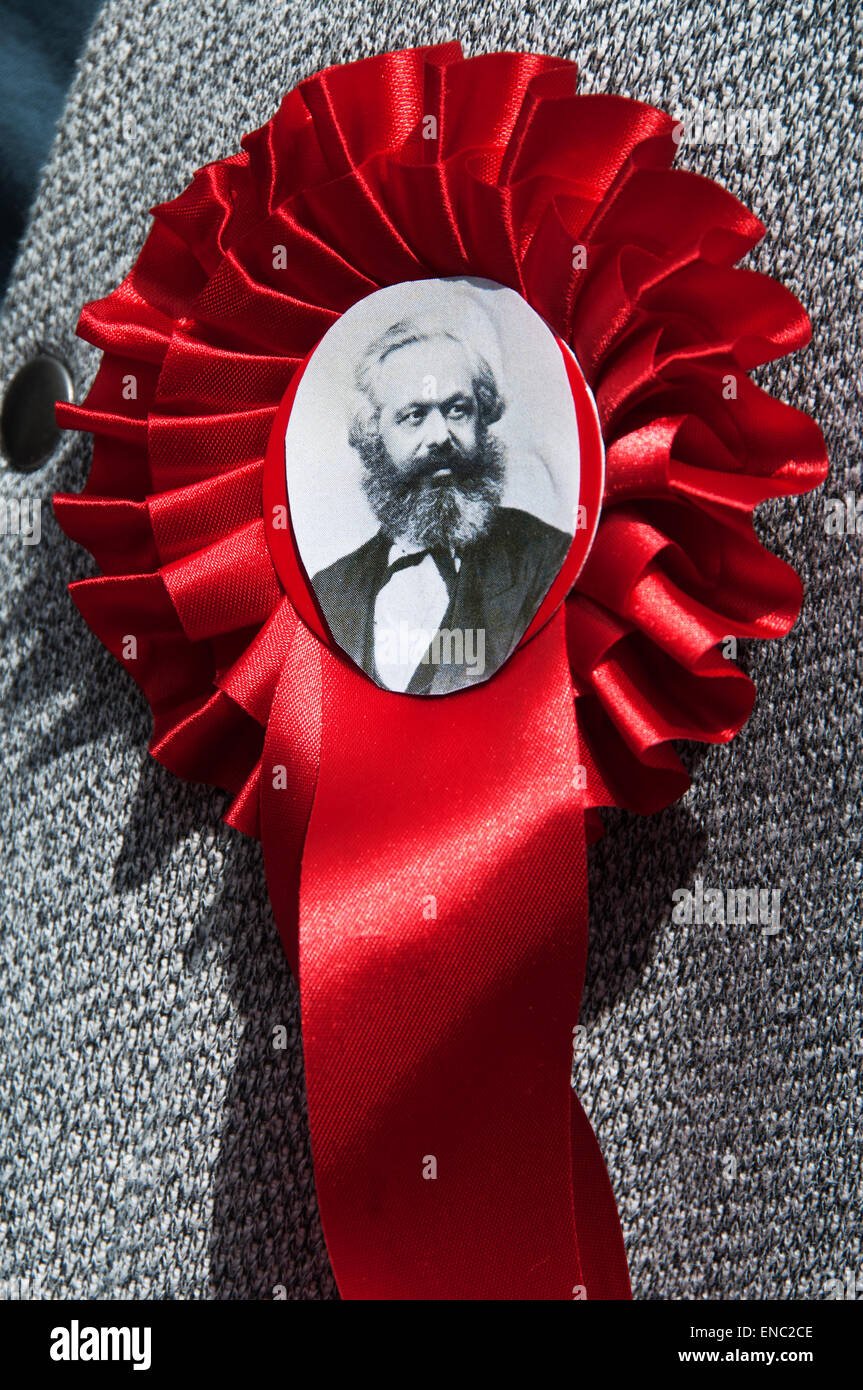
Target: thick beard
{"x":449,"y":514}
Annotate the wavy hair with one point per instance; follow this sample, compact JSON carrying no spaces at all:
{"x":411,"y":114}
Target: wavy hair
{"x":490,"y":402}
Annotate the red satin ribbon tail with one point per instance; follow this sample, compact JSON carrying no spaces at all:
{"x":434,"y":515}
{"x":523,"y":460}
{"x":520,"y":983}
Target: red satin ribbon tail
{"x":442,"y":935}
{"x":600,"y":1239}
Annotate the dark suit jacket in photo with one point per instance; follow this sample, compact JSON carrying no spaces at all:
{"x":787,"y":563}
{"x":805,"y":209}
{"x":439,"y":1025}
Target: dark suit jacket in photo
{"x":503,"y":578}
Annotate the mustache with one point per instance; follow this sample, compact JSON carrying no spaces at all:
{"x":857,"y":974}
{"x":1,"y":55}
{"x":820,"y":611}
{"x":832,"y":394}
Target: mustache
{"x":446,"y":455}
{"x":451,"y":510}
{"x":472,"y":470}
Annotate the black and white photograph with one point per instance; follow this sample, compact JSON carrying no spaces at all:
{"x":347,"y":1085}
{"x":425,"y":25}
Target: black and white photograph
{"x":432,"y":460}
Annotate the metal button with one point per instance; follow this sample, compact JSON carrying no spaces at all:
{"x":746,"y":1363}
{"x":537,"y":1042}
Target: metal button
{"x":29,"y":433}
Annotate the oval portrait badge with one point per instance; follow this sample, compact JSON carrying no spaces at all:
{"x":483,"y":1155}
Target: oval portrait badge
{"x":433,"y":482}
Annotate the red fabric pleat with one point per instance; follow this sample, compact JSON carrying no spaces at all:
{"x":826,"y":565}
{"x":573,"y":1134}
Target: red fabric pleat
{"x":289,"y":775}
{"x":448,"y":1035}
{"x":524,"y":169}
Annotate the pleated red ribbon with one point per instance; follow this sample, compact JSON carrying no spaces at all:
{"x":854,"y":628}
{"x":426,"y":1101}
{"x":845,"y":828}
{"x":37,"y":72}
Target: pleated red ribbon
{"x":425,"y":858}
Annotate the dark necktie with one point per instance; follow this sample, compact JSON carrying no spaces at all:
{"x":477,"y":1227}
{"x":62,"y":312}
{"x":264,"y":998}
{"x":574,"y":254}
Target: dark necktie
{"x":442,"y":558}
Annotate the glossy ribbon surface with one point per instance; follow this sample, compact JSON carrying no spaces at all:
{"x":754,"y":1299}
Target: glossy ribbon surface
{"x":569,"y":200}
{"x":443,"y":929}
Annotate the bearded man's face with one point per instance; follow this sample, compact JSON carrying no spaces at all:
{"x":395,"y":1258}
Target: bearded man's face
{"x":431,"y":472}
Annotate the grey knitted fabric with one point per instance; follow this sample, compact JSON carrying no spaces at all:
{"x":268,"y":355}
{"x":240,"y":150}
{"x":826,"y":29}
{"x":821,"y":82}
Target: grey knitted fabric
{"x":154,"y":1142}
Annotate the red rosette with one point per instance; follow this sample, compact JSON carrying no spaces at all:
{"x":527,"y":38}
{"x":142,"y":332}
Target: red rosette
{"x":567,"y":199}
{"x":663,"y":323}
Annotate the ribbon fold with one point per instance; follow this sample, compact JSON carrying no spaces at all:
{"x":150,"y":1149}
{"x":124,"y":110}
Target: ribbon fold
{"x":446,"y":1036}
{"x":442,"y":941}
